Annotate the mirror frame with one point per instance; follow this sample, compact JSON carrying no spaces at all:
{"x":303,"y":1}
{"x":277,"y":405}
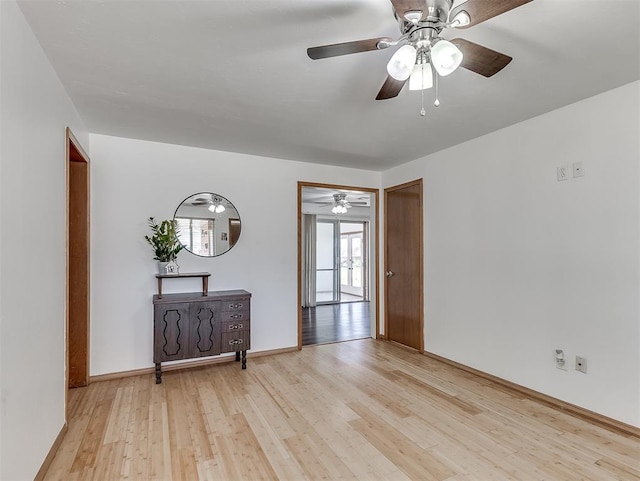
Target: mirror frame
{"x":233,"y":219}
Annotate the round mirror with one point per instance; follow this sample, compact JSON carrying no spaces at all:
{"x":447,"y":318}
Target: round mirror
{"x":209,"y":225}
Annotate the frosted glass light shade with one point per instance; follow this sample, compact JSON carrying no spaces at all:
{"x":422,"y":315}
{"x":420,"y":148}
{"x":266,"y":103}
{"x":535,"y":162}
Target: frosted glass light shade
{"x":446,"y":57}
{"x":339,"y":209}
{"x":421,"y":77}
{"x":401,"y":64}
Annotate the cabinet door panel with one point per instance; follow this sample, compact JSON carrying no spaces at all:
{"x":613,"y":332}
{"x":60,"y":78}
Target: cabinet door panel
{"x":171,"y":332}
{"x":205,"y":329}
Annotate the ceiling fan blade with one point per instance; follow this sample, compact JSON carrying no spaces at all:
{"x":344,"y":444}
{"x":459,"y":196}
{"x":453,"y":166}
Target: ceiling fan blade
{"x":403,"y":6}
{"x":481,"y":59}
{"x":481,"y":10}
{"x":391,"y":88}
{"x":346,"y":48}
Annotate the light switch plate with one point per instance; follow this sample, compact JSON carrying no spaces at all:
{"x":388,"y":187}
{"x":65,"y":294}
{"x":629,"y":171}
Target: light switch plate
{"x":563,"y":172}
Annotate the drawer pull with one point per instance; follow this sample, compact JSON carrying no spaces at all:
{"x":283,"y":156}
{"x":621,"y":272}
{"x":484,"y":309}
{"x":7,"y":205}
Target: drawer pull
{"x":235,"y":306}
{"x":236,"y":341}
{"x":235,"y":326}
{"x":236,"y":316}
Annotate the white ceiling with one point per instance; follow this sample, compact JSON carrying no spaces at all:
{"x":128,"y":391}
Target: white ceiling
{"x":233,"y":75}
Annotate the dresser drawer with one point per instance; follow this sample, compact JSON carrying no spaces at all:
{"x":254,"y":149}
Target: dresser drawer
{"x":235,"y":326}
{"x":233,"y":305}
{"x":235,"y":341}
{"x":230,"y":316}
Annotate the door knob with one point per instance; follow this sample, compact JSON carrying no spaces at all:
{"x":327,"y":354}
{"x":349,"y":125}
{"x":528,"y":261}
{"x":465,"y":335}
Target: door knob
{"x":389,"y":274}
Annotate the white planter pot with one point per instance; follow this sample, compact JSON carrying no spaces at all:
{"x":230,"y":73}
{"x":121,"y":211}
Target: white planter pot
{"x":168,"y":268}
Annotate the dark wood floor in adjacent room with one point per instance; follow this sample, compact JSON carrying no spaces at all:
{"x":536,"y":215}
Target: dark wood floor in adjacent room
{"x":335,"y":322}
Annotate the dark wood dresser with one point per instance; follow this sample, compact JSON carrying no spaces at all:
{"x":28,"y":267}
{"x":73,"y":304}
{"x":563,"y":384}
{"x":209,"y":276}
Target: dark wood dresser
{"x":191,"y":325}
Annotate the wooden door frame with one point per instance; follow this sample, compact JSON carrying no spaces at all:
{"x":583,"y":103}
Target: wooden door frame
{"x":420,"y":260}
{"x":75,"y":153}
{"x":375,"y":261}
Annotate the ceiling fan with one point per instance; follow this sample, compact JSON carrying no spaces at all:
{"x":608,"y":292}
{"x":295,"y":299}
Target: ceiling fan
{"x":340,"y":198}
{"x":213,"y":203}
{"x":425,"y":55}
{"x":340,"y":204}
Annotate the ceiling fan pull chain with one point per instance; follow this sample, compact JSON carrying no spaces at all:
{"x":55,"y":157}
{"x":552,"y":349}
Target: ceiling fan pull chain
{"x":423,"y":112}
{"x":435,"y":81}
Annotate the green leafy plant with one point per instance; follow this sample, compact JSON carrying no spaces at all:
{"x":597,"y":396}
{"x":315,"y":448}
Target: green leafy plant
{"x":164,"y":239}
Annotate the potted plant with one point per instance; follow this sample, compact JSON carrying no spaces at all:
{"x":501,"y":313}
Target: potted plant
{"x":165,"y":243}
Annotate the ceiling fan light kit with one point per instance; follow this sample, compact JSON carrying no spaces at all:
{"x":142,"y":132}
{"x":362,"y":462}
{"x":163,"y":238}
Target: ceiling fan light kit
{"x":339,"y":209}
{"x":421,"y":25}
{"x":216,"y":209}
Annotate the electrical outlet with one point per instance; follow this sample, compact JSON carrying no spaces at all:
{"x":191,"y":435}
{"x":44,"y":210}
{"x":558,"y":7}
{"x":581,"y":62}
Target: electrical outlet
{"x":561,"y":362}
{"x":581,"y":364}
{"x":578,"y":170}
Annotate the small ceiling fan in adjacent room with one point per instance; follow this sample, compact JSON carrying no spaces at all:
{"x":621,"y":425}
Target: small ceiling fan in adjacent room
{"x":425,"y":55}
{"x":340,"y":203}
{"x":214,"y":203}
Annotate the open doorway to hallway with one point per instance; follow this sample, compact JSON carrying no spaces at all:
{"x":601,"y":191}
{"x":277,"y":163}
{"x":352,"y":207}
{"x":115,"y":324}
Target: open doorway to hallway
{"x":337,"y":263}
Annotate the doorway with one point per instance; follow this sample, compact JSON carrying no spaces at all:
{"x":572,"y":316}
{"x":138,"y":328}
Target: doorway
{"x":337,"y":263}
{"x":78,"y":215}
{"x":404,"y":284}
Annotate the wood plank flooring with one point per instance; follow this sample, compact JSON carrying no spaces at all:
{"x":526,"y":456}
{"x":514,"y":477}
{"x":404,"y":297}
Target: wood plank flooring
{"x":366,"y":410}
{"x":335,"y":322}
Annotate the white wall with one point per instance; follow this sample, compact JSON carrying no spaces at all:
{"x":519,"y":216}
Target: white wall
{"x":132,"y":180}
{"x":34,"y":112}
{"x":518,"y":264}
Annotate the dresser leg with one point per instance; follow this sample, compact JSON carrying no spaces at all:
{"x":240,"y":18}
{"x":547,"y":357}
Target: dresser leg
{"x":158,"y":373}
{"x":244,"y":359}
{"x":237,"y":356}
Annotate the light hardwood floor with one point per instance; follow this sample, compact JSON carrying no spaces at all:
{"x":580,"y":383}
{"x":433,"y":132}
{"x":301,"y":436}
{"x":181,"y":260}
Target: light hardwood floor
{"x":355,"y":410}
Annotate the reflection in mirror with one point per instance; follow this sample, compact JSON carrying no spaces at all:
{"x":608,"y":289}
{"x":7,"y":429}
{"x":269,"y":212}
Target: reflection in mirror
{"x":209,"y":224}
